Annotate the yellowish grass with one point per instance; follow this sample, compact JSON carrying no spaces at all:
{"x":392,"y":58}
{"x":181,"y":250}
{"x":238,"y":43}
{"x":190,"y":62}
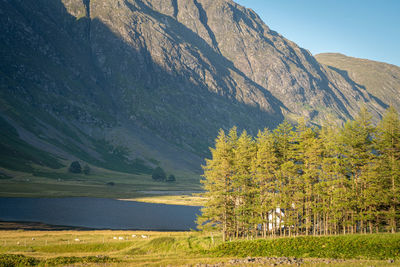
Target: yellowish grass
{"x":186,"y":200}
{"x":158,"y":249}
{"x":132,"y":251}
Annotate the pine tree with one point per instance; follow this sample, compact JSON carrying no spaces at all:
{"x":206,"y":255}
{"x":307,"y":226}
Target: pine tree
{"x":264,"y":167}
{"x":357,"y":148}
{"x":286,"y":174}
{"x":388,"y":142}
{"x":243,"y":183}
{"x":308,"y":152}
{"x":283,"y":136}
{"x":333,"y":188}
{"x":328,"y":181}
{"x":217,"y":212}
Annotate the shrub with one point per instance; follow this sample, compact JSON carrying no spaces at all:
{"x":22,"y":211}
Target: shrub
{"x":73,"y":259}
{"x":10,"y":260}
{"x":171,"y":178}
{"x":75,"y":167}
{"x":159,"y":174}
{"x":86,"y":169}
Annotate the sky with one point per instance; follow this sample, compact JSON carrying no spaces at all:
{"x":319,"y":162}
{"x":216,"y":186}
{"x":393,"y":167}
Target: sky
{"x":359,"y":28}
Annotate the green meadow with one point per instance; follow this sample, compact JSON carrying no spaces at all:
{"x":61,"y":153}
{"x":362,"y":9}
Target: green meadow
{"x":129,"y":248}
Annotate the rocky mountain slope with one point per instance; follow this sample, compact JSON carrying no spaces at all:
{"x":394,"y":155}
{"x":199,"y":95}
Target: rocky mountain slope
{"x":129,"y":84}
{"x":381,"y":80}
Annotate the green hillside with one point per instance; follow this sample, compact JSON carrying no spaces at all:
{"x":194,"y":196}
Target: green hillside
{"x":380,"y":79}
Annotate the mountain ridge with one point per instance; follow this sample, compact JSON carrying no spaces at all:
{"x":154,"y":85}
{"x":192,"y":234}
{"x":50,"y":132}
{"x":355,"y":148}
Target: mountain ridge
{"x":380,"y":79}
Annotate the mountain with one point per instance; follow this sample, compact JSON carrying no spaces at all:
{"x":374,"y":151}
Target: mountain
{"x":131,"y":84}
{"x":381,"y":80}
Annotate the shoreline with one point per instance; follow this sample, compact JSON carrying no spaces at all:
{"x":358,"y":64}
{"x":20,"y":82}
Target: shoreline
{"x":167,"y":199}
{"x":39,"y":226}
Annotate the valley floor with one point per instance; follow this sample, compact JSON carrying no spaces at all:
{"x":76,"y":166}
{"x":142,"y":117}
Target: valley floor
{"x":101,"y":183}
{"x":142,"y":248}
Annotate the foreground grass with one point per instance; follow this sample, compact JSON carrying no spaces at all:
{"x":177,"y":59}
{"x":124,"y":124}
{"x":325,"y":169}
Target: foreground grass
{"x":181,"y":248}
{"x":375,"y":246}
{"x":60,"y":247}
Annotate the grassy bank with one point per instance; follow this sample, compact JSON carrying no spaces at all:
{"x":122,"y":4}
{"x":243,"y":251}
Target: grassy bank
{"x":375,"y":246}
{"x":185,"y":200}
{"x":129,"y":248}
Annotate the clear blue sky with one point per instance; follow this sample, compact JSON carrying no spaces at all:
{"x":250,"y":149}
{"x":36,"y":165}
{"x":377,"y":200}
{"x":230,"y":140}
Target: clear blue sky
{"x":358,"y":28}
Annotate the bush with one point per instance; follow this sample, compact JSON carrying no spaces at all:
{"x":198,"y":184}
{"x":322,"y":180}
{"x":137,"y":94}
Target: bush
{"x":10,"y":260}
{"x":171,"y":178}
{"x":86,"y":169}
{"x":73,"y":259}
{"x":75,"y":167}
{"x":159,"y":174}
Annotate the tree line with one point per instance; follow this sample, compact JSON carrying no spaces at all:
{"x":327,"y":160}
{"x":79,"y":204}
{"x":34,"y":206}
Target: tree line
{"x":328,"y":180}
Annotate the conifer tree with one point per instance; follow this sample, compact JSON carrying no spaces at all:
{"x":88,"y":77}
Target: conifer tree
{"x":217,"y":212}
{"x":307,"y":151}
{"x":333,"y":187}
{"x":264,"y":167}
{"x":328,"y":181}
{"x":357,"y":148}
{"x":287,"y":172}
{"x":388,"y":142}
{"x":243,"y":183}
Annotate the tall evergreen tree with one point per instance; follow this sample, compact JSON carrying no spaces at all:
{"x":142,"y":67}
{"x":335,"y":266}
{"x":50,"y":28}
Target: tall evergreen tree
{"x":328,"y":181}
{"x":357,"y":148}
{"x":388,"y":142}
{"x":217,"y":212}
{"x":307,"y":151}
{"x":264,"y":167}
{"x":243,"y":183}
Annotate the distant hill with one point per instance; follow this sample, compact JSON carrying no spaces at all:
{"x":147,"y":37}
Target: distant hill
{"x":380,"y":79}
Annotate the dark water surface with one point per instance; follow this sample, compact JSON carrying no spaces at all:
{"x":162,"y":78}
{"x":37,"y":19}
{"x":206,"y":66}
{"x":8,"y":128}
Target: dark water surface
{"x":99,"y":213}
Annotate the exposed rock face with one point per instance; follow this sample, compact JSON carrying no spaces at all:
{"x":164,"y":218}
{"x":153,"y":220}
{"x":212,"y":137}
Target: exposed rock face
{"x":227,"y":49}
{"x":275,"y":64}
{"x":180,"y":69}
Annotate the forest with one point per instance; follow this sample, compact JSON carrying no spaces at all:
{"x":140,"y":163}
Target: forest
{"x":305,"y":180}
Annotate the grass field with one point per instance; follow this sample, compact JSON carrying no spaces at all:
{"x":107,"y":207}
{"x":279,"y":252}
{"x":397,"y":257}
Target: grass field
{"x":175,"y":248}
{"x":60,"y":183}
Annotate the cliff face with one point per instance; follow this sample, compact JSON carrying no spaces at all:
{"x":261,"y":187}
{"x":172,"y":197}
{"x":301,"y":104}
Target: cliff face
{"x":229,"y":51}
{"x":177,"y":70}
{"x":274,"y":63}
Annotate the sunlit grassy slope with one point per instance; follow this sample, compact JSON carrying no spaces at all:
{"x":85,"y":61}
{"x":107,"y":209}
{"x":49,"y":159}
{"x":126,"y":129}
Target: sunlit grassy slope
{"x":129,"y":248}
{"x":380,"y":79}
{"x":47,"y":182}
